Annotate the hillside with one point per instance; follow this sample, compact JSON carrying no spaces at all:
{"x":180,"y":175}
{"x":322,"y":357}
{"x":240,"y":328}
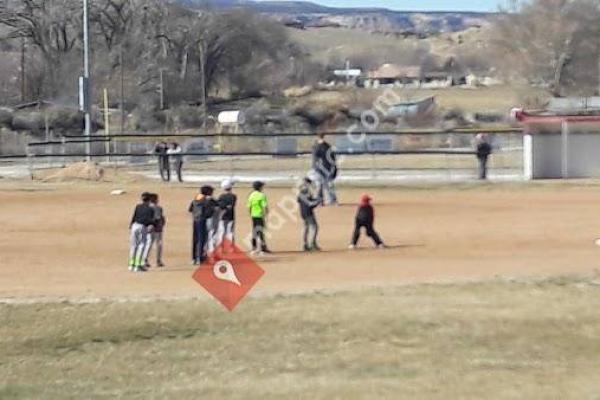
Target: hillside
{"x":370,"y":19}
{"x":332,"y":46}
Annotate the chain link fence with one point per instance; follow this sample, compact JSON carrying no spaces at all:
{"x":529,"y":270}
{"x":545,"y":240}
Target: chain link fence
{"x":393,"y":156}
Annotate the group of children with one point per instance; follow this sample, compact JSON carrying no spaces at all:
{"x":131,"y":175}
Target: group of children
{"x":214,"y":222}
{"x":146,"y":230}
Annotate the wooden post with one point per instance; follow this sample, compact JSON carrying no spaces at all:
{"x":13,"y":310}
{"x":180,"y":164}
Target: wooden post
{"x":122,"y":102}
{"x":203,"y":84}
{"x":106,"y":124}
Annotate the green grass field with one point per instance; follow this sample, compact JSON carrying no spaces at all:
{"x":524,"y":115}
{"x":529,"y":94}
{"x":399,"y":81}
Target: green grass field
{"x":495,"y":340}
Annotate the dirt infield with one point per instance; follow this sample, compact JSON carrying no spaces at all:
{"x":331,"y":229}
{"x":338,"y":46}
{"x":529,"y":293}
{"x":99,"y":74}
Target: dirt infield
{"x":70,"y":240}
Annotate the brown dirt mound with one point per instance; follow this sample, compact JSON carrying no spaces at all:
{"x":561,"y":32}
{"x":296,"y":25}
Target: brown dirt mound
{"x":86,"y":171}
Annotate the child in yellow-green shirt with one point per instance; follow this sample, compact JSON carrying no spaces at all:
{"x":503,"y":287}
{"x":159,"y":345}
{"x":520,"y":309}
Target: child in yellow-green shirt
{"x":258,"y":208}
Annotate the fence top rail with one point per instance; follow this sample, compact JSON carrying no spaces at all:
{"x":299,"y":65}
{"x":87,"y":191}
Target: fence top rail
{"x":252,"y":154}
{"x":466,"y":131}
{"x":60,"y":142}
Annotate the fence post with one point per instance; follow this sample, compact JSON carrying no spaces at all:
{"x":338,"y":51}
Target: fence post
{"x":373,"y":166}
{"x":29,"y":162}
{"x":447,"y":163}
{"x":565,"y":150}
{"x":527,"y":157}
{"x":63,"y":150}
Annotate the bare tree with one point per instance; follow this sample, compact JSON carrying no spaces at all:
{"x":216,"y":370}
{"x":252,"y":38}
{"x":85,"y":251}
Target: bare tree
{"x":237,"y":52}
{"x":237,"y":49}
{"x":113,"y":19}
{"x":549,"y":41}
{"x":50,"y":28}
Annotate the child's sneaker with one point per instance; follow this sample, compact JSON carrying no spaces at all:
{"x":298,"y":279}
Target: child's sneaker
{"x":352,"y":247}
{"x":316,"y":248}
{"x":265,"y":252}
{"x":307,"y":249}
{"x":160,"y":265}
{"x":381,"y":246}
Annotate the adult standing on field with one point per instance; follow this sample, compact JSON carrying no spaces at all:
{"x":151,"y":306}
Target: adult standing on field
{"x":484,"y":150}
{"x":324,"y":165}
{"x":160,"y":150}
{"x":176,"y":155}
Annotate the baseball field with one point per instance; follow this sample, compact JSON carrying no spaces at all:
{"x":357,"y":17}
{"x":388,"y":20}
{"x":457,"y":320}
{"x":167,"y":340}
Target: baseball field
{"x":487,"y":291}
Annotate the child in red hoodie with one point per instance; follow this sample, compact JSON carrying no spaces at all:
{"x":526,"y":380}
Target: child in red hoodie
{"x":365,"y":217}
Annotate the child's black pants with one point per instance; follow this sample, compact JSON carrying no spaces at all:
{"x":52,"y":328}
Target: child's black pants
{"x":358,"y":225}
{"x":258,"y":232}
{"x":199,"y":241}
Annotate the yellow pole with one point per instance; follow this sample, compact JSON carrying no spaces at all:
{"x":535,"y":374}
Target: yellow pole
{"x":106,"y":122}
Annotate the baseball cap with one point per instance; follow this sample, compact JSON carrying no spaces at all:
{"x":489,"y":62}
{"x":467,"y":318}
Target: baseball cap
{"x":226,"y":184}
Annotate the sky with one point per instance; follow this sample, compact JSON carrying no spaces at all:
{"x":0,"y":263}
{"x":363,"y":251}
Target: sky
{"x":420,"y":5}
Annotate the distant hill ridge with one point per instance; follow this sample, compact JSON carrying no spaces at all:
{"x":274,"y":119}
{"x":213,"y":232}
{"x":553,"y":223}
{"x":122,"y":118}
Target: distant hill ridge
{"x":369,"y":18}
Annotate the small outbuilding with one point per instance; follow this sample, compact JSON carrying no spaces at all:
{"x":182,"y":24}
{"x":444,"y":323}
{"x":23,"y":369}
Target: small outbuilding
{"x":562,"y":141}
{"x":230,"y":121}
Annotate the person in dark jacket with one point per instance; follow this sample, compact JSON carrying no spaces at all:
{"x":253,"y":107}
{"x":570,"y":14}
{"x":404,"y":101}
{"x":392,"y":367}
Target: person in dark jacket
{"x":202,"y":209}
{"x":325,"y":167}
{"x":175,"y":153}
{"x":484,"y":150}
{"x":307,"y":204}
{"x":141,"y":227}
{"x":227,"y":202}
{"x":160,"y":150}
{"x":365,"y":218}
{"x":160,"y":222}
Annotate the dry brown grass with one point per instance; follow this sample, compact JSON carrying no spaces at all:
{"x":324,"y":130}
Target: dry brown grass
{"x":496,"y":99}
{"x":497,"y":340}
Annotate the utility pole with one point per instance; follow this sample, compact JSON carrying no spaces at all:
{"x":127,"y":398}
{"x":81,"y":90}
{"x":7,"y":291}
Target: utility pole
{"x":161,"y":89}
{"x":203,"y":84}
{"x":23,"y":74}
{"x":86,"y":78}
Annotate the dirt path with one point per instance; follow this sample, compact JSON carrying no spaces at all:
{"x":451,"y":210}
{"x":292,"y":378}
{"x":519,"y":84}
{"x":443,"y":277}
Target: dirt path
{"x":70,"y":240}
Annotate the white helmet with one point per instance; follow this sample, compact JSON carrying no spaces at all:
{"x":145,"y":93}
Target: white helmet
{"x":313,"y":175}
{"x":227,"y":184}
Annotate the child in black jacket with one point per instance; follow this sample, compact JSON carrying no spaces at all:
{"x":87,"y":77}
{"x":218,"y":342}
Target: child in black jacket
{"x":307,"y":204}
{"x":203,"y":209}
{"x":141,"y":227}
{"x":365,"y":217}
{"x":226,"y":226}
